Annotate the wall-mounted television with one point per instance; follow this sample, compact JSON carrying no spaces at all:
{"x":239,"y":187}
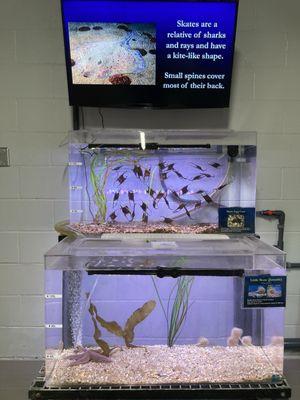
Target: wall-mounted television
{"x":169,"y":54}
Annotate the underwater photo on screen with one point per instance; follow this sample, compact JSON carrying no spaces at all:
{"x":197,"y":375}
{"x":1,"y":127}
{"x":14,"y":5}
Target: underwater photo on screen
{"x":113,"y":53}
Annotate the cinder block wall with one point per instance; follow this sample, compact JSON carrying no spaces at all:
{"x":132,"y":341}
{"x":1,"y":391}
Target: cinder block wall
{"x":35,"y":118}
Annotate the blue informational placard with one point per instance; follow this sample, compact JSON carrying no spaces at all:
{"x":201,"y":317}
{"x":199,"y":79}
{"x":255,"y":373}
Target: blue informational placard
{"x":264,"y":291}
{"x":237,"y":219}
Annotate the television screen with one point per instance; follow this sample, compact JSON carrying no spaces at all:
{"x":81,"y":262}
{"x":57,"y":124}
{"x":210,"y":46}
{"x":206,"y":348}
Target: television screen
{"x":124,"y":53}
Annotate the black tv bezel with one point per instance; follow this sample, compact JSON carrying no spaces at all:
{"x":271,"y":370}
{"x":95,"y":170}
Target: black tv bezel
{"x":89,"y":91}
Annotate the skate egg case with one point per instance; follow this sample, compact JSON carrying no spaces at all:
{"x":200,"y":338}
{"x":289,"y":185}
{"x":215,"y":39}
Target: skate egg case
{"x":160,"y":283}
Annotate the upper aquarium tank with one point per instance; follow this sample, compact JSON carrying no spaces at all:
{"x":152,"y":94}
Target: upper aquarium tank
{"x":133,"y":181}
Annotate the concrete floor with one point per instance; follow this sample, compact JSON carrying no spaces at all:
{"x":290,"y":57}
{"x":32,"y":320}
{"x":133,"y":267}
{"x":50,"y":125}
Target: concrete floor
{"x":16,"y":376}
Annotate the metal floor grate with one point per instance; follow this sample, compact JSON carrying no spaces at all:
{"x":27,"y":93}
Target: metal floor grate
{"x":279,"y":390}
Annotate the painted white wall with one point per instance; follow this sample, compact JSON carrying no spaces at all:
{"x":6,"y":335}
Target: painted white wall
{"x":35,"y":117}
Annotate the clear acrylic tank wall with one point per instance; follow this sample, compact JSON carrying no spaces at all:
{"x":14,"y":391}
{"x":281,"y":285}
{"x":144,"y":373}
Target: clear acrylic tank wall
{"x":146,"y":312}
{"x":176,"y":182}
{"x":137,"y":295}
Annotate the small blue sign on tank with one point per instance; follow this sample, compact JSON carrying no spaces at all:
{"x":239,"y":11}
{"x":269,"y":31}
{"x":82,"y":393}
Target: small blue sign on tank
{"x":264,"y":291}
{"x":237,"y":219}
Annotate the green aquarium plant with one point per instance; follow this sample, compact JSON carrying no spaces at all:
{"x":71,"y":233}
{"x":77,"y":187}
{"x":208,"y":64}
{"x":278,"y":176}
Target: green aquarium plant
{"x":98,"y":180}
{"x":101,"y":166}
{"x":176,"y":313}
{"x":179,"y":309}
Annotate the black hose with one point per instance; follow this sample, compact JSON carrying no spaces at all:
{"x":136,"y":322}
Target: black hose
{"x":290,"y":265}
{"x":280,"y":216}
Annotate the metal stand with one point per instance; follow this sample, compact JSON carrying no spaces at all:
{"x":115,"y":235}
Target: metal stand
{"x":250,"y":391}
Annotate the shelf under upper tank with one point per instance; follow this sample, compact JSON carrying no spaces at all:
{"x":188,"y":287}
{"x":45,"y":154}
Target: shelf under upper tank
{"x":132,"y":255}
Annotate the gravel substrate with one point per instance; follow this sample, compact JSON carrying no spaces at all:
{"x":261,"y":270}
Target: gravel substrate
{"x":98,"y":229}
{"x":161,"y":364}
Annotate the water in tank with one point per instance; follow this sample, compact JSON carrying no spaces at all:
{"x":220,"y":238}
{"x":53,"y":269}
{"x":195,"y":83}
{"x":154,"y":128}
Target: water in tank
{"x":136,"y":295}
{"x":161,"y":181}
{"x":132,"y":312}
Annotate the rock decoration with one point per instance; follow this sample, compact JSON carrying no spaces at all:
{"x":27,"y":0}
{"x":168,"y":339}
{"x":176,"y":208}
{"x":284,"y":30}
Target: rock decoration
{"x":246,"y":340}
{"x":235,"y":337}
{"x":203,"y":342}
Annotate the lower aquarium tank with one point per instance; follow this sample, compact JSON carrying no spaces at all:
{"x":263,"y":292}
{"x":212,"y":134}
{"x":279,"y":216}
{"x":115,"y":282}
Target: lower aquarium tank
{"x":128,"y":311}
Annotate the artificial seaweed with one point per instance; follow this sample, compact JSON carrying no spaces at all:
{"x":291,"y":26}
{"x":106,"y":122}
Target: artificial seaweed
{"x":113,"y":327}
{"x":97,"y":333}
{"x":138,"y":316}
{"x":110,"y":326}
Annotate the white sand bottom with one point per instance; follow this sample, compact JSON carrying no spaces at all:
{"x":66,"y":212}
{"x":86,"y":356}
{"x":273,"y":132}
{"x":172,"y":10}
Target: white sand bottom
{"x":161,"y":364}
